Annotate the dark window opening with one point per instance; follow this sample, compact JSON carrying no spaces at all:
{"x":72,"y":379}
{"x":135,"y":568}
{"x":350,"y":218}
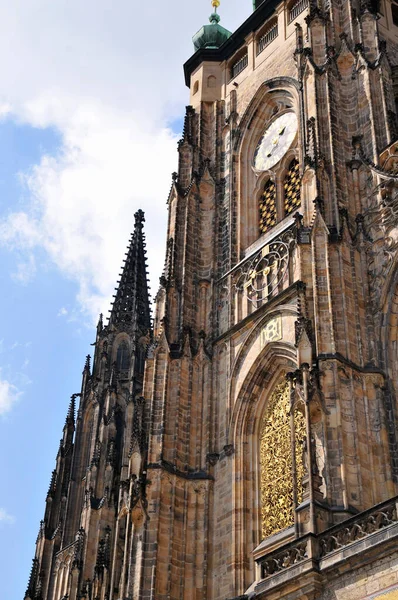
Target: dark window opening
{"x":394,"y":12}
{"x":123,"y":357}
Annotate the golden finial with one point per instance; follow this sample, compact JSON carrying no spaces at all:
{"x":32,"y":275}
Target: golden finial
{"x":215,"y":4}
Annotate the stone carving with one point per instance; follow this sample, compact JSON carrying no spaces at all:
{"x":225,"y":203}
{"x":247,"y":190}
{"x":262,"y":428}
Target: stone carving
{"x":284,"y":559}
{"x":341,"y":535}
{"x":272,"y":332}
{"x":358,"y":528}
{"x":381,"y":221}
{"x":261,"y":276}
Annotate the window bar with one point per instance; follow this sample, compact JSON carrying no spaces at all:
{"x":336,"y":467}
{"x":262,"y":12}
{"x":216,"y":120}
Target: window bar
{"x":296,"y":9}
{"x":267,"y":38}
{"x":239,"y":66}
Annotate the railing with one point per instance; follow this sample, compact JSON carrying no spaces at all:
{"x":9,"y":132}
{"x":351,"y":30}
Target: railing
{"x":319,"y":546}
{"x":288,"y":557}
{"x":267,"y":37}
{"x":263,"y":275}
{"x":358,"y":527}
{"x":296,"y":8}
{"x":239,"y":66}
{"x":266,"y":271}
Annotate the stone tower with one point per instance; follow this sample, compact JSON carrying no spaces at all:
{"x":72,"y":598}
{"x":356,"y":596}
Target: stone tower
{"x":257,"y":457}
{"x":78,"y":552}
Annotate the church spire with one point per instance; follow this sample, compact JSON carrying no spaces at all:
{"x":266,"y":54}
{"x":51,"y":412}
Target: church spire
{"x":131,"y":304}
{"x":70,"y":417}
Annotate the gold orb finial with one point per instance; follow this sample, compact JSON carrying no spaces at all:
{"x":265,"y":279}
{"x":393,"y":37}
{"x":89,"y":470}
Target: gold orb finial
{"x":215,"y":4}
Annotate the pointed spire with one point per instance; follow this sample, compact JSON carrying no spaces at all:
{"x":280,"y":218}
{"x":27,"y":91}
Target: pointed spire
{"x":70,"y":417}
{"x":214,"y":17}
{"x":131,"y":305}
{"x":53,"y":481}
{"x":31,"y":589}
{"x":87,"y":364}
{"x":100,"y":324}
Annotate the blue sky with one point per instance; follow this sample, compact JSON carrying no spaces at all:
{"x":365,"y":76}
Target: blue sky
{"x":91,"y":106}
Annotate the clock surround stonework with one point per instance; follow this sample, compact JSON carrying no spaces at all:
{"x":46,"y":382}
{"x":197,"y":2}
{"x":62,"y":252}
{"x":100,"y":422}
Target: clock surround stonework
{"x":273,"y":353}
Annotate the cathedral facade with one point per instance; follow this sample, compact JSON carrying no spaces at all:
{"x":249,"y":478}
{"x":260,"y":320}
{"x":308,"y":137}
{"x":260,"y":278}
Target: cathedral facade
{"x":244,"y":445}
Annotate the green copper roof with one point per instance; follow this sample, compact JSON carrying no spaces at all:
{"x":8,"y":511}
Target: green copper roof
{"x":211,"y":36}
{"x":256,"y":3}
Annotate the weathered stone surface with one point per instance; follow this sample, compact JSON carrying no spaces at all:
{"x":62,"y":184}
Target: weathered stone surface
{"x":312,"y":301}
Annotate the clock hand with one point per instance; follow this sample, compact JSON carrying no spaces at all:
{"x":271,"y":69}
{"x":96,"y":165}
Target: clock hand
{"x":275,"y":144}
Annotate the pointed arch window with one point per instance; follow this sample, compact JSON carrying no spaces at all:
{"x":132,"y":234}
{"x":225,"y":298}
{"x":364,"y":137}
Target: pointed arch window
{"x":276,"y":461}
{"x":123,"y":357}
{"x":292,"y":187}
{"x":267,"y":207}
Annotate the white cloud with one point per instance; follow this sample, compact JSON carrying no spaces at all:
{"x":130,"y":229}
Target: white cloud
{"x":108,"y":80}
{"x":62,"y":312}
{"x":9,"y":394}
{"x":5,"y":517}
{"x":5,"y":110}
{"x":26,"y":270}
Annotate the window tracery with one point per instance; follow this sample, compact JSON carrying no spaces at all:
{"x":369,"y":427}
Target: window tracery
{"x":276,"y":462}
{"x":267,"y":207}
{"x":269,"y":141}
{"x":292,"y":186}
{"x":123,"y":357}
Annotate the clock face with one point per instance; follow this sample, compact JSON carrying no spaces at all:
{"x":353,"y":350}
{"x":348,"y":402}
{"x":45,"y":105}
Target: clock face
{"x":275,"y":141}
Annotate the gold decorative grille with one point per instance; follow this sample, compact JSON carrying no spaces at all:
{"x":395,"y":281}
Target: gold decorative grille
{"x":276,"y":462}
{"x":292,"y":187}
{"x":267,"y":207}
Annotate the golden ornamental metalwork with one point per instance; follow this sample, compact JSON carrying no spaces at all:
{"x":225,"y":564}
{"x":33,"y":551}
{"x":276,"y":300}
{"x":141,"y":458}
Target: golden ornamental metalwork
{"x":276,"y":479}
{"x":292,"y":187}
{"x":267,"y":207}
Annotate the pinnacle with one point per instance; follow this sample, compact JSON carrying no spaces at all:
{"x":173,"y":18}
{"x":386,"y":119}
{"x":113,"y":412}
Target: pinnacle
{"x":30,"y":591}
{"x":87,"y":364}
{"x":53,"y":479}
{"x":139,"y":217}
{"x":70,"y":417}
{"x":131,"y":300}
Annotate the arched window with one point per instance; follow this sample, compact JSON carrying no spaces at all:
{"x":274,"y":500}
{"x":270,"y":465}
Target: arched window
{"x":123,"y":357}
{"x":291,"y":188}
{"x":267,"y":207}
{"x":276,"y":479}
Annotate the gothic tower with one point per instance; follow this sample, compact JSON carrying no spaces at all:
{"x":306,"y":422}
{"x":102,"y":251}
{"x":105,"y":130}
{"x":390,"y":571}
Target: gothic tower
{"x":256,"y":454}
{"x":79,"y":549}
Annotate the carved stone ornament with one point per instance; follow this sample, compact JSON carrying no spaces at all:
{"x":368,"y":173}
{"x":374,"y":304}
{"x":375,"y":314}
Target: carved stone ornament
{"x":213,"y":458}
{"x":229,"y":450}
{"x":272,"y":332}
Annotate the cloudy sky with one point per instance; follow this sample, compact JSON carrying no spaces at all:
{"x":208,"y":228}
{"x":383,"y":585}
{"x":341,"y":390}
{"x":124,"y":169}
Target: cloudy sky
{"x":91,"y":104}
